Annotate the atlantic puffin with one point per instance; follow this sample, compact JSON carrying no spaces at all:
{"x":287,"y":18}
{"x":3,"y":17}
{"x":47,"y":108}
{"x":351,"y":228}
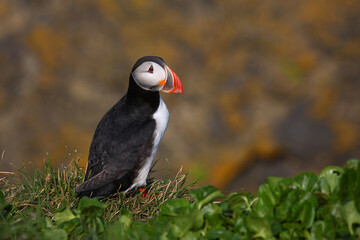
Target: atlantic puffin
{"x":127,"y":137}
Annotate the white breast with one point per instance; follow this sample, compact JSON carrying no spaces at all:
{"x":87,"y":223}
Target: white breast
{"x":161,"y":117}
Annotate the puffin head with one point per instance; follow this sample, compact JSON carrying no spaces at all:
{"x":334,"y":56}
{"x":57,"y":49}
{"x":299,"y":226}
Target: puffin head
{"x":152,"y":74}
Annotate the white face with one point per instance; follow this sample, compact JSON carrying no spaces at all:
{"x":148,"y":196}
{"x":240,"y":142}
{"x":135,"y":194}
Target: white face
{"x":150,"y":76}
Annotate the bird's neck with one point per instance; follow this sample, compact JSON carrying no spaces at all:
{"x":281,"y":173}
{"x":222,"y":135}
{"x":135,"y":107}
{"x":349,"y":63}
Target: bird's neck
{"x":137,"y":96}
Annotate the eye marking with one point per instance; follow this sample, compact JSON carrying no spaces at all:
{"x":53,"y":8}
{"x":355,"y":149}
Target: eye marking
{"x":151,"y":69}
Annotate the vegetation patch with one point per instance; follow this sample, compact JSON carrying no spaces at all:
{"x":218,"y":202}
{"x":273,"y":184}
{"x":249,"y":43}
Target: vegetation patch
{"x":308,"y":206}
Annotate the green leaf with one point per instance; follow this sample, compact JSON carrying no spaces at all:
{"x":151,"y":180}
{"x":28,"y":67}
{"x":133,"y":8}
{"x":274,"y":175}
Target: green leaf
{"x":180,"y":225}
{"x":329,"y":179}
{"x":138,"y":231}
{"x":274,"y":181}
{"x":190,"y":236}
{"x":197,"y":219}
{"x":353,"y":163}
{"x":259,"y":226}
{"x":90,"y":207}
{"x":72,"y":225}
{"x":240,"y":202}
{"x":276,"y":227}
{"x":171,"y":206}
{"x":205,"y":195}
{"x":285,"y":234}
{"x":126,"y":219}
{"x":283,"y":210}
{"x":292,"y":226}
{"x":351,"y":215}
{"x":349,"y":189}
{"x":307,"y":181}
{"x":288,"y":184}
{"x":212,"y":214}
{"x":297,"y":205}
{"x":268,"y":197}
{"x":115,"y":231}
{"x":322,"y":230}
{"x":100,"y":225}
{"x":179,"y":229}
{"x":219,"y":234}
{"x":180,"y":217}
{"x":240,"y":227}
{"x":120,"y":228}
{"x":304,"y":208}
{"x":63,"y":216}
{"x":305,"y":213}
{"x":48,"y":223}
{"x":55,"y":234}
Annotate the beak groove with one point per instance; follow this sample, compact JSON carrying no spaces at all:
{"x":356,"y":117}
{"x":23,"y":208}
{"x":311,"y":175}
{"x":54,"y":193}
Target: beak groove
{"x":173,"y":84}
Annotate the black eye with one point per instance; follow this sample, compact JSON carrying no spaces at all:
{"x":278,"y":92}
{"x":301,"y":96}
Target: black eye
{"x":151,"y":69}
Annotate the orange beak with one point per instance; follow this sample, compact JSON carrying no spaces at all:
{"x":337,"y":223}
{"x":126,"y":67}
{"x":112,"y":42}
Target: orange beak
{"x":172,"y":83}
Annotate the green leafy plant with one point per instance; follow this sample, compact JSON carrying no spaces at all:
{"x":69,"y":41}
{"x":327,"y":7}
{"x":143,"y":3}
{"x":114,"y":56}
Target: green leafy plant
{"x":308,"y":206}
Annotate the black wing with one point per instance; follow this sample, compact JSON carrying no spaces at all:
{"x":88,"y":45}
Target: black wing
{"x":120,"y":143}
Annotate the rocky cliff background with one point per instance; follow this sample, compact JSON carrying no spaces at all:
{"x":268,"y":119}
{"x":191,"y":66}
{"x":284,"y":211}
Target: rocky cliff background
{"x":270,"y":87}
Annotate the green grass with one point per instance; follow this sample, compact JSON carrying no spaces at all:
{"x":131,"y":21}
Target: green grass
{"x":309,"y":206}
{"x":53,"y":188}
{"x":32,"y":196}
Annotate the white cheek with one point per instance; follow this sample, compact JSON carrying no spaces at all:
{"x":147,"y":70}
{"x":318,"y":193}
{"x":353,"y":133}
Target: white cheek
{"x":147,"y":80}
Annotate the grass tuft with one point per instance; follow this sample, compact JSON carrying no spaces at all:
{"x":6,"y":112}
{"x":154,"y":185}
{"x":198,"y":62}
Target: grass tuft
{"x":51,"y":189}
{"x":146,"y":207}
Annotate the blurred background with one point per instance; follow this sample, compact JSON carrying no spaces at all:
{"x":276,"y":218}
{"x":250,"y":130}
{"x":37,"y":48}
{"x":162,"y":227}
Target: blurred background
{"x":270,"y":87}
